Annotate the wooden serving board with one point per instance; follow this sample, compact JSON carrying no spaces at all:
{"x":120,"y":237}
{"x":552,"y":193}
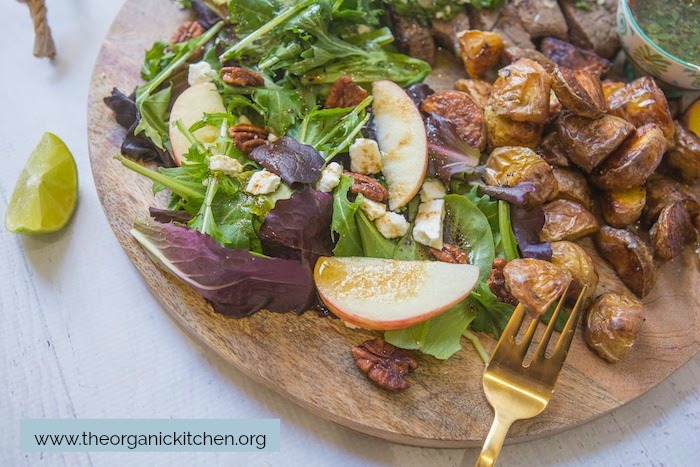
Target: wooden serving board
{"x":307,"y":360}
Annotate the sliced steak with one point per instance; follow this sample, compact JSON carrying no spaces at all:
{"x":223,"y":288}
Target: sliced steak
{"x":574,"y":58}
{"x":413,"y":39}
{"x":541,"y":18}
{"x":445,"y":32}
{"x":592,"y":28}
{"x":483,"y":19}
{"x":511,"y":28}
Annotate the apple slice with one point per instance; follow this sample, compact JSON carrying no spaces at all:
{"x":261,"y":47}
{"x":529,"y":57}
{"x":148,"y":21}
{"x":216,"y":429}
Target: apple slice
{"x":385,"y":294}
{"x":189,"y":107}
{"x":402,"y":139}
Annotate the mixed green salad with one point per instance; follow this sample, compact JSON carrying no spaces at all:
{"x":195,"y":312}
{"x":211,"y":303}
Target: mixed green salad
{"x":259,"y":182}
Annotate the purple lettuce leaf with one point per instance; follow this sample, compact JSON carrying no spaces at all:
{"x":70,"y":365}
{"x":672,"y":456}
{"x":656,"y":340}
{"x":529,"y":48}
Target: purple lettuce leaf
{"x":449,"y":154}
{"x":292,"y":161}
{"x":526,"y":228}
{"x":418,"y":92}
{"x":514,"y":195}
{"x":206,"y":17}
{"x":235,"y":282}
{"x":123,"y":106}
{"x":165,"y":216}
{"x":301,"y":224}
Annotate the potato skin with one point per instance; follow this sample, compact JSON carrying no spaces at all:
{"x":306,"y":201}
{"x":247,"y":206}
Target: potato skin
{"x":566,"y":220}
{"x":509,"y":165}
{"x":579,"y":91}
{"x":632,"y":163}
{"x":521,"y":92}
{"x":612,"y":325}
{"x":573,"y":258}
{"x":572,"y":186}
{"x":480,"y":51}
{"x":609,"y":88}
{"x":622,"y":208}
{"x":641,"y":102}
{"x":662,"y":191}
{"x":671,"y":230}
{"x":477,"y":89}
{"x":552,"y":151}
{"x":502,"y":131}
{"x":461,"y":110}
{"x":684,"y":156}
{"x":629,"y":256}
{"x":535,"y":283}
{"x":513,"y":54}
{"x":588,"y":142}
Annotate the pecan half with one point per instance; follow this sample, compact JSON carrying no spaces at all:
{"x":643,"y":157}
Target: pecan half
{"x":344,"y":93}
{"x":248,"y":137}
{"x":385,"y":365}
{"x":237,"y":76}
{"x":187,"y":31}
{"x":449,"y":254}
{"x":367,"y":187}
{"x":497,"y":282}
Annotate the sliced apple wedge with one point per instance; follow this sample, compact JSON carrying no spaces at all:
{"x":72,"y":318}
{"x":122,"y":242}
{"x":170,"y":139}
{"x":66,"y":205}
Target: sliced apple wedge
{"x":402,"y":140}
{"x":385,"y":294}
{"x":189,"y":107}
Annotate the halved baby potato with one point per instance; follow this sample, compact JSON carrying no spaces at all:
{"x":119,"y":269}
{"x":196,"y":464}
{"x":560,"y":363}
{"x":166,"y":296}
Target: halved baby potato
{"x":629,"y":256}
{"x":579,"y":91}
{"x":480,"y":51}
{"x":572,"y":186}
{"x":641,"y":102}
{"x":521,"y":92}
{"x":503,"y":131}
{"x":508,"y":166}
{"x":566,"y":220}
{"x":622,"y":208}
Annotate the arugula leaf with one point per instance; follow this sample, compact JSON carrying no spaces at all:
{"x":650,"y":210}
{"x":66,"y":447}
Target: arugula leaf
{"x":374,"y":244}
{"x":155,"y":59}
{"x":153,"y":112}
{"x":492,"y":315}
{"x":281,"y":107}
{"x":469,"y":229}
{"x":344,"y":223}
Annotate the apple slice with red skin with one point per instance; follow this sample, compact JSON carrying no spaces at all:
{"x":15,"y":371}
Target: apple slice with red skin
{"x":386,"y":294}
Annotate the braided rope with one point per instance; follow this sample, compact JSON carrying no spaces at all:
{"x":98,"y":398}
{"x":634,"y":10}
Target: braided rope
{"x":43,"y":42}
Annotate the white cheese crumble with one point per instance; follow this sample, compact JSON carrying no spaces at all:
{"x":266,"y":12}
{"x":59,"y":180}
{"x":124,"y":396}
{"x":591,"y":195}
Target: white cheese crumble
{"x":365,"y":157}
{"x":330,"y":177}
{"x":372,"y":209}
{"x":428,"y":228}
{"x":392,"y":225}
{"x":225,"y":164}
{"x":263,"y":183}
{"x":199,"y":73}
{"x":432,"y":189}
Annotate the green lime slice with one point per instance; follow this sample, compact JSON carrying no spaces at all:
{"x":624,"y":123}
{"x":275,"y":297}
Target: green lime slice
{"x":47,"y":190}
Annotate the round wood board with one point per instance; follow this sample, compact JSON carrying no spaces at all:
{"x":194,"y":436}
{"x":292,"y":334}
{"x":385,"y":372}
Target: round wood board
{"x":307,"y":360}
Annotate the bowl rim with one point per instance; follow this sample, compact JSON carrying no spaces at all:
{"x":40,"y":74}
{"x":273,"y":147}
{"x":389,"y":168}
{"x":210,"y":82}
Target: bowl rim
{"x":640,"y":31}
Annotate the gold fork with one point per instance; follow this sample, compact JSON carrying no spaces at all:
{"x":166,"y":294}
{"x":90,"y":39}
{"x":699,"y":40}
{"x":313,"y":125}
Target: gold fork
{"x":516,"y":391}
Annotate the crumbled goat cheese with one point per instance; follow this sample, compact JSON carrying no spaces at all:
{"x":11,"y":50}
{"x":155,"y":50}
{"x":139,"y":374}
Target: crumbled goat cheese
{"x":432,"y":189}
{"x":199,"y":73}
{"x":330,"y":177}
{"x":392,"y":225}
{"x":225,"y":164}
{"x":428,"y":228}
{"x":365,"y":157}
{"x":372,"y":209}
{"x":263,"y":183}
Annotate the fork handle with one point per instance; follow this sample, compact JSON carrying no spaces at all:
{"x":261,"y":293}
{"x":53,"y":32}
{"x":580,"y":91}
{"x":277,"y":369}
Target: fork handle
{"x":494,"y":441}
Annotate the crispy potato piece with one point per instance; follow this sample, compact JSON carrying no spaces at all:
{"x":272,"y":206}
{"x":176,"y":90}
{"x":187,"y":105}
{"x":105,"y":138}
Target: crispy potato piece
{"x":588,"y":142}
{"x":629,"y":256}
{"x":535,"y":283}
{"x":622,"y":208}
{"x":555,"y":106}
{"x":521,"y":92}
{"x":477,"y":89}
{"x":502,"y":131}
{"x":566,"y":220}
{"x":632,"y":163}
{"x":552,"y":151}
{"x":691,"y":117}
{"x":461,"y":110}
{"x":510,"y":165}
{"x":641,"y":102}
{"x":572,"y":185}
{"x":579,"y":91}
{"x":610,"y":87}
{"x":662,"y":191}
{"x":573,"y":258}
{"x":684,"y":156}
{"x":671,"y":230}
{"x":612,"y":325}
{"x":480,"y":51}
{"x":570,"y":56}
{"x":513,"y":54}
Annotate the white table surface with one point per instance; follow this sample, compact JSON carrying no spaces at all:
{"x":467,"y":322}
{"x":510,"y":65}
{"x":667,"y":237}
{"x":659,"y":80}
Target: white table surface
{"x":81,"y":336}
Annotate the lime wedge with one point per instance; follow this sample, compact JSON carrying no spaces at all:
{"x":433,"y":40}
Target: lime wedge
{"x":47,"y":190}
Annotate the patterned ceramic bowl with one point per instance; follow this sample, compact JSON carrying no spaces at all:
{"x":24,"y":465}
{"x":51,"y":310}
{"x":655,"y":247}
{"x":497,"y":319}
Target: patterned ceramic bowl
{"x":648,"y":57}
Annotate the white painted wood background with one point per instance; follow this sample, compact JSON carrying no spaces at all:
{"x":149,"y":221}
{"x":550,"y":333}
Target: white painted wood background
{"x":81,"y":336}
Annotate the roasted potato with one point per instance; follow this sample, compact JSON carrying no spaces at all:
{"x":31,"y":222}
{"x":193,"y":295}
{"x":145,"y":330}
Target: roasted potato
{"x":513,"y":54}
{"x":551,"y":151}
{"x":671,"y":230}
{"x":502,"y":131}
{"x":691,"y":117}
{"x":662,"y":191}
{"x":572,"y":185}
{"x":521,"y":92}
{"x":480,"y":51}
{"x":612,"y":325}
{"x":684,"y":155}
{"x":622,"y":208}
{"x":570,"y":56}
{"x":535,"y":283}
{"x":588,"y":142}
{"x":461,"y":110}
{"x":566,"y":220}
{"x":477,"y":89}
{"x":609,"y":88}
{"x":573,"y":258}
{"x":555,"y":106}
{"x":510,"y":165}
{"x":629,"y":256}
{"x":641,"y":102}
{"x":579,"y":91}
{"x":632,"y":163}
